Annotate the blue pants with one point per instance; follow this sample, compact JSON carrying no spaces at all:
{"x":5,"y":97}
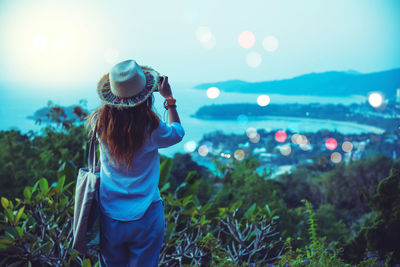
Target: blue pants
{"x":132,"y":243}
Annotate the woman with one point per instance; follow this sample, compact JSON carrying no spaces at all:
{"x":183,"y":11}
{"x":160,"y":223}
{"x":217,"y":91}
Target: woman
{"x":132,"y":221}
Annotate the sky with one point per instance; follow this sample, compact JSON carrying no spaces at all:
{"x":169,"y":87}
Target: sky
{"x":45,"y":42}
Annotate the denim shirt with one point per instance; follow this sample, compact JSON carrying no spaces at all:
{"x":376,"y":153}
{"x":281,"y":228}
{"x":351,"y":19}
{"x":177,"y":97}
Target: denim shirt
{"x":125,"y":196}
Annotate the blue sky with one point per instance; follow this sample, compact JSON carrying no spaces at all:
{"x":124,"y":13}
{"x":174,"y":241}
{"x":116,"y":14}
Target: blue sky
{"x":60,"y":41}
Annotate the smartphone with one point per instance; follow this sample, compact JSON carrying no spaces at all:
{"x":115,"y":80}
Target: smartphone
{"x":160,"y":80}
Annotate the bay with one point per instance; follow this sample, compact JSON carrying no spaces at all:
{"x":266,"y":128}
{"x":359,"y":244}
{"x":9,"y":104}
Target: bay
{"x":22,"y":100}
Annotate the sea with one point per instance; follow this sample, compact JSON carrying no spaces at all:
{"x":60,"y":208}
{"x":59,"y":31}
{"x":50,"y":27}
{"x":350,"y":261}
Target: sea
{"x":20,"y":100}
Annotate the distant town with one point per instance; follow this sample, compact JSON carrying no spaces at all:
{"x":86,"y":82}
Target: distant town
{"x":282,"y":150}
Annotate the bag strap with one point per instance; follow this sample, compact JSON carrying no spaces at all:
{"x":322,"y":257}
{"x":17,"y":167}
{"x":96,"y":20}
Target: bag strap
{"x":92,"y":155}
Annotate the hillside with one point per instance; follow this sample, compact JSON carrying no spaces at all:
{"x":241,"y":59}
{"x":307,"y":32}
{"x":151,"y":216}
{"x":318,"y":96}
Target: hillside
{"x":332,"y":83}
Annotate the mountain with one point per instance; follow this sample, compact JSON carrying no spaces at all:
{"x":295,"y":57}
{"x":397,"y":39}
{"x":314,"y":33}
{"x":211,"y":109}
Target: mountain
{"x":332,"y":83}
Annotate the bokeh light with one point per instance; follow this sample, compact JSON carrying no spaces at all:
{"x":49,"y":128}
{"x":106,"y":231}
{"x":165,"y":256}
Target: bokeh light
{"x":242,"y":119}
{"x":213,"y":92}
{"x":270,"y":43}
{"x":211,"y":43}
{"x":225,"y":155}
{"x":347,"y":146}
{"x":375,"y":100}
{"x":203,"y":150}
{"x":251,"y":132}
{"x":190,"y":146}
{"x":336,"y":157}
{"x":280,"y":136}
{"x":239,"y":154}
{"x":246,"y":39}
{"x":203,"y":34}
{"x":299,"y":139}
{"x":111,"y":55}
{"x":331,"y":143}
{"x":255,"y":139}
{"x":253,"y":59}
{"x":306,"y":147}
{"x":295,"y":138}
{"x":40,"y":42}
{"x":263,"y":100}
{"x":285,"y":150}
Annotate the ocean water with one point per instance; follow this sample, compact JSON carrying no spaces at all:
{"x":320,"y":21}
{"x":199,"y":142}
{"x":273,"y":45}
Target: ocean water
{"x":21,"y":100}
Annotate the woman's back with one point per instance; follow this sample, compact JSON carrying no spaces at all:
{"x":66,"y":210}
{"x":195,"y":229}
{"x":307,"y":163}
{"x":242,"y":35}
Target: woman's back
{"x":126,"y":194}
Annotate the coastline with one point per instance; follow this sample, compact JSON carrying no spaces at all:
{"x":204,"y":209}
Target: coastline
{"x":367,"y":127}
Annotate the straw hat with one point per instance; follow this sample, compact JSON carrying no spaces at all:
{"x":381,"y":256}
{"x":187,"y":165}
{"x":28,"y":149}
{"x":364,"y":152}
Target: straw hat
{"x":128,"y":84}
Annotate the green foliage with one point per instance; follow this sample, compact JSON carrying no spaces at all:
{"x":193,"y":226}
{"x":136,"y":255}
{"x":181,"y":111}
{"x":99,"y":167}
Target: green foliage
{"x":382,"y":234}
{"x":317,"y":252}
{"x":24,"y":157}
{"x":353,"y":182}
{"x":38,"y":228}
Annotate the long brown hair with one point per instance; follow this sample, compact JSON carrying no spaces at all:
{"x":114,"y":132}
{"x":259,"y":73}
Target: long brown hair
{"x":123,"y":130}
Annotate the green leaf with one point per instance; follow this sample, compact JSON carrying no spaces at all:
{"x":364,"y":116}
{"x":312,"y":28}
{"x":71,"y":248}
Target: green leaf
{"x":60,"y":183}
{"x":20,"y":212}
{"x":165,"y":187}
{"x":267,"y":209}
{"x":165,"y":171}
{"x":237,"y":204}
{"x":35,"y":186}
{"x":9,"y":215}
{"x":18,"y":231}
{"x":4,"y":202}
{"x":44,"y":185}
{"x":28,"y":192}
{"x":187,"y":200}
{"x":87,"y":263}
{"x":249,"y":211}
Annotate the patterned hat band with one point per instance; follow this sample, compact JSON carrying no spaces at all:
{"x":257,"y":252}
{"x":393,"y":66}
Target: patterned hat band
{"x":127,"y":78}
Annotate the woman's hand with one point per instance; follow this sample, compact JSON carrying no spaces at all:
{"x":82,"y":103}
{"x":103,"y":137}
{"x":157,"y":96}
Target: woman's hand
{"x":164,"y":88}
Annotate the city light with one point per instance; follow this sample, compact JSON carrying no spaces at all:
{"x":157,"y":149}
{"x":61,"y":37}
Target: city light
{"x":336,"y":157}
{"x":299,"y":139}
{"x":270,"y":43}
{"x":375,"y":100}
{"x":331,"y":143}
{"x":225,"y":155}
{"x":203,"y":150}
{"x":263,"y":100}
{"x":251,"y":132}
{"x":190,"y":146}
{"x":253,"y":59}
{"x":280,"y":136}
{"x":306,"y":146}
{"x":246,"y":39}
{"x":213,"y":92}
{"x":347,"y":146}
{"x":239,"y":154}
{"x":255,"y":139}
{"x":285,"y":150}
